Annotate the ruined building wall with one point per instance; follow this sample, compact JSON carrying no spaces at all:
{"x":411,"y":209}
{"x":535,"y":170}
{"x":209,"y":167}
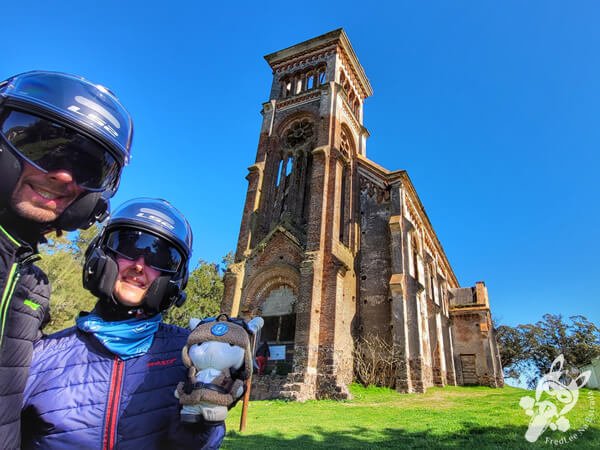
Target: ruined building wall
{"x":375,"y":260}
{"x":476,"y":354}
{"x":403,"y":280}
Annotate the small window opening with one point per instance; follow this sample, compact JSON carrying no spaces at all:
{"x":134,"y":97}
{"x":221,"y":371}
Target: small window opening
{"x":343,"y":206}
{"x":322,"y":77}
{"x":298,"y":85}
{"x":279,"y":173}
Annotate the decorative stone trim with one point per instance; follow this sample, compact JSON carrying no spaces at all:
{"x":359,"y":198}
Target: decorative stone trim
{"x":283,"y":105}
{"x":305,"y":59}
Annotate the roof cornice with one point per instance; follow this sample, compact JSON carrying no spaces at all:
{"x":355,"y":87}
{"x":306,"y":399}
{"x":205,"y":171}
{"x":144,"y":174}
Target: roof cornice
{"x":401,"y":176}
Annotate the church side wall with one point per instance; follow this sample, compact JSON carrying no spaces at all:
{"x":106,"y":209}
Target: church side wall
{"x":375,"y":261}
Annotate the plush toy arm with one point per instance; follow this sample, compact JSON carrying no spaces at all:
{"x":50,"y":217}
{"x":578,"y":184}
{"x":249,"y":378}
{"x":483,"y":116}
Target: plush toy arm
{"x":179,"y":389}
{"x":256,"y":324}
{"x":237,"y":389}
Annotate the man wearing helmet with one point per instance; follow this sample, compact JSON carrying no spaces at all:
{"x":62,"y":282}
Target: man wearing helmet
{"x":117,"y":369}
{"x":63,"y":144}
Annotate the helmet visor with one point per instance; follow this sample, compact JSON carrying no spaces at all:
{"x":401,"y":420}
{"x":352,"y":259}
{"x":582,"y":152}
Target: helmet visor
{"x":157,"y":252}
{"x":77,"y":100}
{"x":50,"y":146}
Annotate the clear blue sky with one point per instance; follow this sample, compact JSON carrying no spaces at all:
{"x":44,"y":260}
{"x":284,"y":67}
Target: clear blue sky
{"x":493,"y":108}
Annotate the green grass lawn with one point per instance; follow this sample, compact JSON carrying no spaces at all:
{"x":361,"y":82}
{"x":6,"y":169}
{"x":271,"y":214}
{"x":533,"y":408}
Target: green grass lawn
{"x":450,"y":417}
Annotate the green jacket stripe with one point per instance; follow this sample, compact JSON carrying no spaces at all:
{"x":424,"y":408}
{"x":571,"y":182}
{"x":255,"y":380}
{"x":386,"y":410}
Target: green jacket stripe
{"x":11,"y":283}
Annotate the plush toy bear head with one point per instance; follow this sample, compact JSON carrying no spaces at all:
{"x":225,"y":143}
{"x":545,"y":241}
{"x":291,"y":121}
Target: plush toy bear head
{"x":221,"y":343}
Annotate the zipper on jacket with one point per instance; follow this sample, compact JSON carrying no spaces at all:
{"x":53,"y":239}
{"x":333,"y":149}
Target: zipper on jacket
{"x":112,"y":409}
{"x":9,"y":289}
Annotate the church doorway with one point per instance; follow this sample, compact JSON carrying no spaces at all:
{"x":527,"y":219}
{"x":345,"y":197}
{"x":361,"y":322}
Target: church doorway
{"x":278,"y":312}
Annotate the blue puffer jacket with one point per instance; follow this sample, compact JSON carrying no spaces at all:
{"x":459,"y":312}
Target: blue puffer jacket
{"x":81,"y":396}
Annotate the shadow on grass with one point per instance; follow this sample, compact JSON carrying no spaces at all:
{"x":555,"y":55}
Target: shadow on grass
{"x":470,"y":436}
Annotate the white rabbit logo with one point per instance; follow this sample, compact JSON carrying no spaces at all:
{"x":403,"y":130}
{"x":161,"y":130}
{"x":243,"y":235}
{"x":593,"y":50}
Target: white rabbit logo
{"x":553,"y":400}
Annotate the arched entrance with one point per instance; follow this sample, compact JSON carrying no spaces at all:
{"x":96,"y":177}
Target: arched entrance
{"x":278,"y":311}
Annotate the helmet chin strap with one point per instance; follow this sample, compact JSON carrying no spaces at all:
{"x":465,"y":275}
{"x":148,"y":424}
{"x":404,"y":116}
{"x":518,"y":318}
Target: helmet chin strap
{"x":157,"y":294}
{"x":86,"y":209}
{"x":112,"y":310}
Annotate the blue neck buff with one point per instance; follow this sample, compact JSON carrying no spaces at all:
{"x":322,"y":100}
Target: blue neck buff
{"x":125,"y":338}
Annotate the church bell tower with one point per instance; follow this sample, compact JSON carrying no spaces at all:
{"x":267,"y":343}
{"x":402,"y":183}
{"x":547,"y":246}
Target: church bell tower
{"x":296,"y":257}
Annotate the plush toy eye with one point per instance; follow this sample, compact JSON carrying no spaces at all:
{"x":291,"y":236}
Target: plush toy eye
{"x":231,"y":345}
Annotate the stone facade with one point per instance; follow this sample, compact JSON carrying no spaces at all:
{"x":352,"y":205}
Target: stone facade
{"x":334,"y":248}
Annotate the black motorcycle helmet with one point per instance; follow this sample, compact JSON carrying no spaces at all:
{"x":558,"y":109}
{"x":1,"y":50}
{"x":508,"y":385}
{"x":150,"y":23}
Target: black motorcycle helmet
{"x":145,"y":226}
{"x":53,"y":118}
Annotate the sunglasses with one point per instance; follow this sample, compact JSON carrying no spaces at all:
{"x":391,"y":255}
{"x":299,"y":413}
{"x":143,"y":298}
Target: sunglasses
{"x":50,"y":146}
{"x":157,"y":253}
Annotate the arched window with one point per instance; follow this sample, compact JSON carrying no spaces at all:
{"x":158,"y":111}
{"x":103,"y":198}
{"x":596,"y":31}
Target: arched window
{"x":310,"y":81}
{"x":347,"y":143}
{"x":431,"y":282}
{"x":286,"y":87}
{"x":278,"y":312}
{"x":347,"y":149}
{"x":302,"y":81}
{"x":306,"y":189}
{"x":414,"y":246}
{"x":351,"y":97}
{"x":322,"y":76}
{"x":279,"y":169}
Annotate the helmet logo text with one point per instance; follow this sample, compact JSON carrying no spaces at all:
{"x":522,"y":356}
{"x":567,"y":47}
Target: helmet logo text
{"x":156,"y":216}
{"x":94,"y":117}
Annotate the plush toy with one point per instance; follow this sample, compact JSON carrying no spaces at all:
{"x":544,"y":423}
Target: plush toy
{"x":219,"y":356}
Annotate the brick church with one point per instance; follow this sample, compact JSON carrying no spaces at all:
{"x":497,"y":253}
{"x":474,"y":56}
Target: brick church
{"x":334,"y":248}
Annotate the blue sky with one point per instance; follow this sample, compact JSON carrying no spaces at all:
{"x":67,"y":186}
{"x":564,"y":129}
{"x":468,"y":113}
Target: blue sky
{"x":493,"y":108}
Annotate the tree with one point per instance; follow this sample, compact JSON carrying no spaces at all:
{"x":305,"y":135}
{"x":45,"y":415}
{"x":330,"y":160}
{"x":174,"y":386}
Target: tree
{"x":531,"y":348}
{"x":204,"y":292}
{"x":62,"y":260}
{"x":226,"y":261}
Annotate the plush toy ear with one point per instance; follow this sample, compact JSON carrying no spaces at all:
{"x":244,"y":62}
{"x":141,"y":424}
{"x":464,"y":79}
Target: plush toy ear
{"x":194,"y":323}
{"x":256,"y":324}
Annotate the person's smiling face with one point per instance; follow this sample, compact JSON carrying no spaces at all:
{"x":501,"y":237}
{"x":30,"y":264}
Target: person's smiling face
{"x":133,"y":280}
{"x":42,"y":197}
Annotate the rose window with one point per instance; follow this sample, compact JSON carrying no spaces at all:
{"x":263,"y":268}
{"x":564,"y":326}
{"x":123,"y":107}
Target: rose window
{"x":299,"y":133}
